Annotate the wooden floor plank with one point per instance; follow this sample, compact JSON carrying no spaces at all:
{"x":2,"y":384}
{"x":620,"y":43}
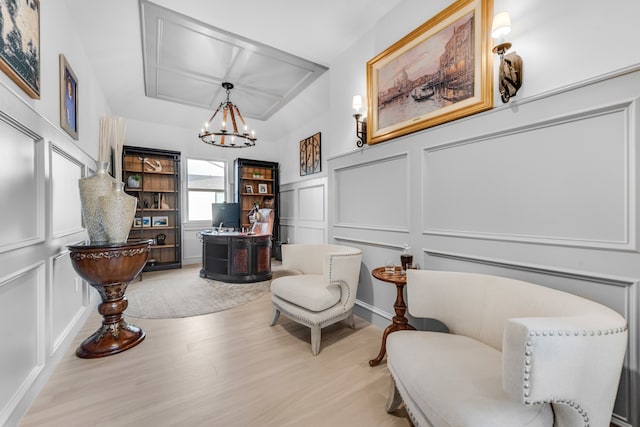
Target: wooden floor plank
{"x":222,"y":369}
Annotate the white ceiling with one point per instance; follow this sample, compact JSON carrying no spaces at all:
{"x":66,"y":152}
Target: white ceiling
{"x":314,"y":31}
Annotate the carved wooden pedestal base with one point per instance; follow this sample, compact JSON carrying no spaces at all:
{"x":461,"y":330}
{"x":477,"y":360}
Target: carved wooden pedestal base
{"x":109,"y":269}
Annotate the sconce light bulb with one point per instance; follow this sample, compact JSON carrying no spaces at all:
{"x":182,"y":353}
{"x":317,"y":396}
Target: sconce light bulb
{"x":357,"y":103}
{"x":501,"y":25}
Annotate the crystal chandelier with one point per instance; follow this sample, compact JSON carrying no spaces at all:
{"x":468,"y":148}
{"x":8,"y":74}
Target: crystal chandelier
{"x":230,"y":138}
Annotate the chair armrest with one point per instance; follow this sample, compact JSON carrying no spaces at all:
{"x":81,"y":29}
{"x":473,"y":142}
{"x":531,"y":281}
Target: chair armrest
{"x":573,"y":360}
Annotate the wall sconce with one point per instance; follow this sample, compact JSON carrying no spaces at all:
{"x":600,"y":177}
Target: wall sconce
{"x":510,"y":75}
{"x":361,"y":122}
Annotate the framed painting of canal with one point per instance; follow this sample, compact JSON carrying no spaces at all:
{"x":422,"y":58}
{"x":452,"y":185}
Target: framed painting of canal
{"x":439,"y":72}
{"x":20,"y":44}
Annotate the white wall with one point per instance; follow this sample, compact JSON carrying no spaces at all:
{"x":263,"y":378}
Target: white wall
{"x":42,"y":300}
{"x":542,"y":189}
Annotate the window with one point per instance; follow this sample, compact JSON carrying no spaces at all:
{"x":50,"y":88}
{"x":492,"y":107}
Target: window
{"x":205,"y":185}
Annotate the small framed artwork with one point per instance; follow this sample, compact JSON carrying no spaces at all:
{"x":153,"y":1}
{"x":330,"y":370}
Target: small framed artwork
{"x":310,"y":155}
{"x":146,"y":221}
{"x":20,"y":41}
{"x":160,"y":221}
{"x":249,"y":189}
{"x":68,"y":98}
{"x":137,"y":222}
{"x":262,"y":188}
{"x":439,"y":72}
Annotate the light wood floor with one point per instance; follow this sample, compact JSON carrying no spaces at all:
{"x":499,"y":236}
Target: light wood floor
{"x":222,"y":369}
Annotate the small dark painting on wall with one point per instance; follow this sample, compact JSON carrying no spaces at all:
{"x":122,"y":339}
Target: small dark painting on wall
{"x":310,"y":155}
{"x":68,"y":98}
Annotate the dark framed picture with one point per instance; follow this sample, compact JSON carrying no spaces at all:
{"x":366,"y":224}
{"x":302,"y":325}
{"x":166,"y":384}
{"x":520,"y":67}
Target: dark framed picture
{"x":310,"y":155}
{"x":439,"y":72}
{"x":68,"y":98}
{"x":20,"y":44}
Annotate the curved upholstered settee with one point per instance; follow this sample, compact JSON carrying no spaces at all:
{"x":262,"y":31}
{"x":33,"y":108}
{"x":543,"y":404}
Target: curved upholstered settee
{"x":517,"y":354}
{"x":322,"y":289}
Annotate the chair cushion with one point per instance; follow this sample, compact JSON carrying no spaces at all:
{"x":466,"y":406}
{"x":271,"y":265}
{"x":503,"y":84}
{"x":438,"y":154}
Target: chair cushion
{"x":457,"y":381}
{"x":309,"y":291}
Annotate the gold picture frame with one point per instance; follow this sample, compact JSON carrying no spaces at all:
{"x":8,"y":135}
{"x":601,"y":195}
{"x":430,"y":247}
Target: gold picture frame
{"x":20,"y":47}
{"x":310,"y":155}
{"x":439,"y":72}
{"x":68,"y":99}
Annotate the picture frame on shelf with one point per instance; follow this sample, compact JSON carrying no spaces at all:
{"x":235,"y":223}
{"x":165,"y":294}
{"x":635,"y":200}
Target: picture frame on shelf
{"x":262,"y":188}
{"x":137,"y":222}
{"x":21,"y":61}
{"x":160,"y":221}
{"x":249,"y":189}
{"x":68,"y":98}
{"x":441,"y":71}
{"x":146,"y":221}
{"x":310,"y":155}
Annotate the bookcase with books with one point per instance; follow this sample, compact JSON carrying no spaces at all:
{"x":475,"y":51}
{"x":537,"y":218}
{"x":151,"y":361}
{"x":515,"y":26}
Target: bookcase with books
{"x":153,"y":176}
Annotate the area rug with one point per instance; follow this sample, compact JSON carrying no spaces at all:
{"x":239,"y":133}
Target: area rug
{"x":183,"y":293}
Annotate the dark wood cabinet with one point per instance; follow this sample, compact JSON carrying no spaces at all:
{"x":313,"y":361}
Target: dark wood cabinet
{"x":153,"y":176}
{"x":257,"y":181}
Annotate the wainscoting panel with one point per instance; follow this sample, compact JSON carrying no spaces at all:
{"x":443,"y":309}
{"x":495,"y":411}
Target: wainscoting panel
{"x":311,"y":203}
{"x":22,"y":184}
{"x":22,"y":354}
{"x":66,"y":211}
{"x":566,"y":182}
{"x":388,"y":180}
{"x":287,"y":204}
{"x":67,"y":300}
{"x":191,"y":244}
{"x":303,"y":211}
{"x":614,"y":292}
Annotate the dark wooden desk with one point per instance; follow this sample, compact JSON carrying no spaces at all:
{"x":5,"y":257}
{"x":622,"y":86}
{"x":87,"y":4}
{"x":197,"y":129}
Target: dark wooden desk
{"x":236,"y":257}
{"x":109,"y":269}
{"x":400,"y":322}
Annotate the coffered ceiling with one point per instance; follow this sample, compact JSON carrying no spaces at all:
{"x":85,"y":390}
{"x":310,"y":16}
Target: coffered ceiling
{"x":268,"y":49}
{"x":186,"y":61}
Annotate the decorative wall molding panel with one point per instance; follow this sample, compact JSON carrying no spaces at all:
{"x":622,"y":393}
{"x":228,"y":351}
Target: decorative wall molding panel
{"x":564,"y":181}
{"x":385,"y":203}
{"x":22,"y":179}
{"x":22,"y":355}
{"x":65,"y":172}
{"x":303,"y":211}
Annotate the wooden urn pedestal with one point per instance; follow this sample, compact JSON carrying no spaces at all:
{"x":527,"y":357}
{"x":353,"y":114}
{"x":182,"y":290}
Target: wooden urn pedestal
{"x":109,"y":269}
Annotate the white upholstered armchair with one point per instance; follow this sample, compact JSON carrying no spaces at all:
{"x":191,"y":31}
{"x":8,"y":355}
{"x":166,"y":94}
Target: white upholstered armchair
{"x":323,"y":290}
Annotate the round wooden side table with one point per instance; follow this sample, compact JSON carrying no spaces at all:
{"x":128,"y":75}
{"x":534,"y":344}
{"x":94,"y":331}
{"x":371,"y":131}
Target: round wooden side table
{"x":400,"y":322}
{"x":109,"y":269}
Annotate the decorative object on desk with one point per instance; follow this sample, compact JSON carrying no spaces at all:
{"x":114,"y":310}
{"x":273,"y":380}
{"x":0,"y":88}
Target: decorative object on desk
{"x":20,"y":55}
{"x":182,"y":293}
{"x":68,"y":98}
{"x":161,"y":238}
{"x":117,"y":211}
{"x":439,"y":72}
{"x":133,"y":181}
{"x":510,"y":74}
{"x":262,"y":188}
{"x":310,"y":155}
{"x":160,"y":221}
{"x":406,"y":258}
{"x":227,"y":138}
{"x":361,"y":125}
